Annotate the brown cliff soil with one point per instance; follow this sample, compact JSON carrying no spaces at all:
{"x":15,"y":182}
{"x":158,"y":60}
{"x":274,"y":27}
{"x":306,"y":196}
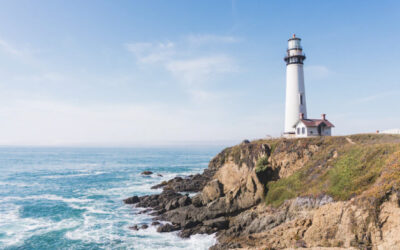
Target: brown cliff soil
{"x":316,"y":193}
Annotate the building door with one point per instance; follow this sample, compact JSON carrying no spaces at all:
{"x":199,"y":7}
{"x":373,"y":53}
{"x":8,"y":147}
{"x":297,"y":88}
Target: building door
{"x":321,"y":128}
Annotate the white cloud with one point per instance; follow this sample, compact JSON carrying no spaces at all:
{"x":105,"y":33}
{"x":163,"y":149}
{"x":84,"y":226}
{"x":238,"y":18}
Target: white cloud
{"x":374,"y":97}
{"x":25,"y":55}
{"x":151,"y":52}
{"x":8,"y":48}
{"x":45,"y":77}
{"x":201,"y":39}
{"x":200,"y":96}
{"x":188,"y":66}
{"x":197,"y":70}
{"x":317,"y":72}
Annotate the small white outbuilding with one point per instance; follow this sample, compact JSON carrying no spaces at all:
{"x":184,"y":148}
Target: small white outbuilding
{"x":313,"y":127}
{"x":395,"y":131}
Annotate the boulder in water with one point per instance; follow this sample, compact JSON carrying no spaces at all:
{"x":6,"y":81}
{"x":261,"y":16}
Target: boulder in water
{"x":135,"y":227}
{"x":132,"y":200}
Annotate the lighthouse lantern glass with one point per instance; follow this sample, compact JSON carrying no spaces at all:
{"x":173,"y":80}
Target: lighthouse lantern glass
{"x":294,"y":44}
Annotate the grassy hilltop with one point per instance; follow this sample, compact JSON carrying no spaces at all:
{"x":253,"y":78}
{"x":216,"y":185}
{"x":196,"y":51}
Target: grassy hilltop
{"x":341,"y":167}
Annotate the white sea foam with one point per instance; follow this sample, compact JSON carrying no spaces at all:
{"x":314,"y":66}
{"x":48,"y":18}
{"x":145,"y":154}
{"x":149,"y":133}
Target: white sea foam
{"x":91,"y":209}
{"x":191,"y":194}
{"x":19,"y":229}
{"x":122,"y":192}
{"x":44,"y":197}
{"x":104,"y":231}
{"x":191,"y":165}
{"x":126,"y":189}
{"x":91,"y":165}
{"x":62,"y":176}
{"x":18,"y":184}
{"x":58,"y":198}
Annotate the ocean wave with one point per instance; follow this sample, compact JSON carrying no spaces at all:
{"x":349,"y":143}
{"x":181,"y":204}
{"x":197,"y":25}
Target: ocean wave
{"x":103,"y":232}
{"x":89,"y":164}
{"x":18,"y":184}
{"x":44,"y":197}
{"x":18,"y":229}
{"x":61,"y":176}
{"x":90,"y":209}
{"x":124,"y":191}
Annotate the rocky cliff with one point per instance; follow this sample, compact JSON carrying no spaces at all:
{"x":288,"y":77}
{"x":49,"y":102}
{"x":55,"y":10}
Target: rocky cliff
{"x":316,"y":193}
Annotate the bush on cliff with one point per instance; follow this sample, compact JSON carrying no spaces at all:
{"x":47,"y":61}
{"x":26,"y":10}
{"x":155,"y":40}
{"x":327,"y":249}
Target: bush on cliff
{"x":262,"y":164}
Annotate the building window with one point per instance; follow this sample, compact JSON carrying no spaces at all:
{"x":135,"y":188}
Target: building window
{"x":303,"y":130}
{"x":298,"y":131}
{"x":301,"y":99}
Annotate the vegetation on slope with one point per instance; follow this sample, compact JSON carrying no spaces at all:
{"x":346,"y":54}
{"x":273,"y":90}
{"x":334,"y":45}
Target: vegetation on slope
{"x":262,"y":164}
{"x":343,"y":169}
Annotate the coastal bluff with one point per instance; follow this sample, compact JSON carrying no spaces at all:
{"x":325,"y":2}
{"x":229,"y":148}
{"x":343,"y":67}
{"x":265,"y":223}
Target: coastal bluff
{"x":339,"y":192}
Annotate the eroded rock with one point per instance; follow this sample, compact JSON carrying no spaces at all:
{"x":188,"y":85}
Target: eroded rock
{"x":132,"y":200}
{"x":167,"y":228}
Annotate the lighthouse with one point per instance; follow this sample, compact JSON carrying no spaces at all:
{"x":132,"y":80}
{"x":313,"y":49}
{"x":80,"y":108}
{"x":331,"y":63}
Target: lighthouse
{"x":296,"y":122}
{"x":295,"y":91}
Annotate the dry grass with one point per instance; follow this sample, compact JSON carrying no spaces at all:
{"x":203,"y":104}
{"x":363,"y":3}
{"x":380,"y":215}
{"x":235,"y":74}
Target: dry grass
{"x":370,"y":167}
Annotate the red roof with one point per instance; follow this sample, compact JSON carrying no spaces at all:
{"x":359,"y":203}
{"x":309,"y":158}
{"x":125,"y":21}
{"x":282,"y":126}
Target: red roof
{"x":316,"y":122}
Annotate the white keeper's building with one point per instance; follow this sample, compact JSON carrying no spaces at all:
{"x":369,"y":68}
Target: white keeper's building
{"x":313,"y":127}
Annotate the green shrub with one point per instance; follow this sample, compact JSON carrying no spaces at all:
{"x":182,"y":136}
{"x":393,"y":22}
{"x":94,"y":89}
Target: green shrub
{"x":262,"y":164}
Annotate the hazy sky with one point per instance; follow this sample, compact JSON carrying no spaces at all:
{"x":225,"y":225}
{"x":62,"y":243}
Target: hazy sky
{"x":166,"y":72}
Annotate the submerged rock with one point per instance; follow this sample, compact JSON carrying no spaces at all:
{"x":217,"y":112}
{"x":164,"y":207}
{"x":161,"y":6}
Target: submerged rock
{"x":146,"y":211}
{"x":146,"y":172}
{"x":132,"y":200}
{"x":135,"y":228}
{"x":155,"y":223}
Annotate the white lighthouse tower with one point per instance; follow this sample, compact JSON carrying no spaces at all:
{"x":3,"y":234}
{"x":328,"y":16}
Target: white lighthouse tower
{"x":295,"y":91}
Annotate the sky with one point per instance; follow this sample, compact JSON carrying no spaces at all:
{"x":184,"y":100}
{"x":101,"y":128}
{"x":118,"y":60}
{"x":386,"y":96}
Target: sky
{"x":180,"y":72}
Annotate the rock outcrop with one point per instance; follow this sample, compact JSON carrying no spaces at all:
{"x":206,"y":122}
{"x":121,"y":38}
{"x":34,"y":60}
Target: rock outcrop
{"x":146,"y":172}
{"x":314,"y":193}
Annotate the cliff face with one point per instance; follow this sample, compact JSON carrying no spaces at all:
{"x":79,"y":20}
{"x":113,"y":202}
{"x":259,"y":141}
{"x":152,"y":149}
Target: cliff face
{"x":341,"y":192}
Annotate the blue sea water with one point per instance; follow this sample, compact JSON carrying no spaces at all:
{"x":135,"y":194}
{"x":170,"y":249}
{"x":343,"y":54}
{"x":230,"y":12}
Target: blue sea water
{"x":71,"y":198}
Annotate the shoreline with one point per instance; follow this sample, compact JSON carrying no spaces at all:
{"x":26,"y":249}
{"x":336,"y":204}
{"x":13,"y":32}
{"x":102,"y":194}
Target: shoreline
{"x":245,"y":195}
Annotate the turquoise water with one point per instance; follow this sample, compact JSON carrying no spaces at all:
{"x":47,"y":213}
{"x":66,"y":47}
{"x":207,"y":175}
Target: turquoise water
{"x":71,"y":198}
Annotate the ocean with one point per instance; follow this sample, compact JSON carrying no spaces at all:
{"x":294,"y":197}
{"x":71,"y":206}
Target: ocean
{"x":71,"y":198}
